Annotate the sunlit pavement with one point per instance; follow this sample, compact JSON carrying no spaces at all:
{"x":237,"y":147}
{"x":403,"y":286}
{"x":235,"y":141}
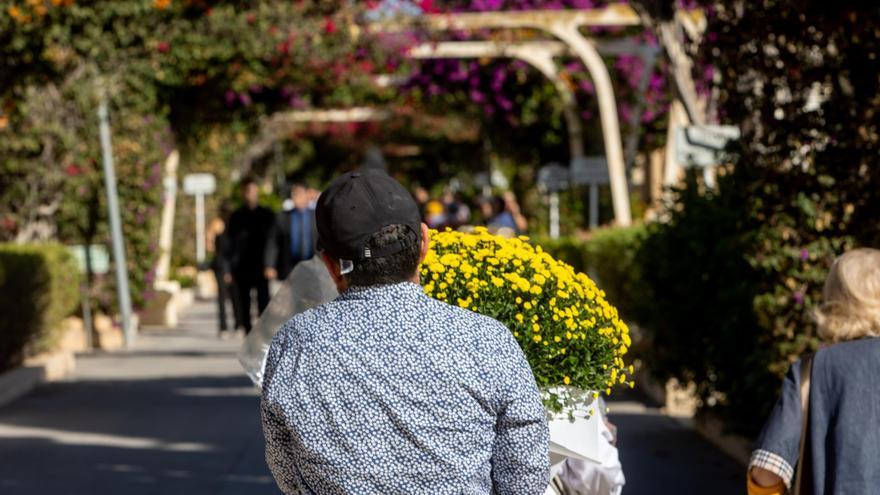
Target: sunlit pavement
{"x":178,"y":416}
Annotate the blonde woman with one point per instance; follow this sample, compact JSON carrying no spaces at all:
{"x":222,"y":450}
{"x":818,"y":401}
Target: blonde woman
{"x":841,"y":451}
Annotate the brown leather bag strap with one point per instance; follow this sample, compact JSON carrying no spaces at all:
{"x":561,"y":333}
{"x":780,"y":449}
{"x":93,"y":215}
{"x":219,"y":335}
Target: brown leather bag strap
{"x":806,"y":369}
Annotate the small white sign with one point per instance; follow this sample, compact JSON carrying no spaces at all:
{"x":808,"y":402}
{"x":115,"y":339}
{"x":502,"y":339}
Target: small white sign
{"x":98,"y":256}
{"x":590,"y":170}
{"x":703,"y":145}
{"x":194,"y":184}
{"x":553,"y":177}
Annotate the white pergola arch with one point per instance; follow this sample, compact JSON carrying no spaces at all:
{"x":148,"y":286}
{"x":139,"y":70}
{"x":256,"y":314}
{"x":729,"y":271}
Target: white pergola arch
{"x":565,"y":26}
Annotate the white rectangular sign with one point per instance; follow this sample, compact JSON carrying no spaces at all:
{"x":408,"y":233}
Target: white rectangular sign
{"x":199,"y":184}
{"x":98,"y":255}
{"x":703,"y":145}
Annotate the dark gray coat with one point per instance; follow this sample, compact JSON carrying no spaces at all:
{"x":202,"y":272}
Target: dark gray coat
{"x":842,"y":454}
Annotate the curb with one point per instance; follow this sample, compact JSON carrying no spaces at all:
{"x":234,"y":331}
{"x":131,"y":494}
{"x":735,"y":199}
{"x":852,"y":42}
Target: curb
{"x":36,"y":371}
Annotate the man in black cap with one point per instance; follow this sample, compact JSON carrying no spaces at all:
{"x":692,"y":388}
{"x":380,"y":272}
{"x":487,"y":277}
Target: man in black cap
{"x":385,"y":390}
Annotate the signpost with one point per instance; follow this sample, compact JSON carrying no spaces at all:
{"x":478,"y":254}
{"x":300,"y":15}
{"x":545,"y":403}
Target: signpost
{"x":704,"y":146}
{"x":199,"y":185}
{"x":553,"y":178}
{"x":90,"y":259}
{"x":592,"y":171}
{"x":115,"y":224}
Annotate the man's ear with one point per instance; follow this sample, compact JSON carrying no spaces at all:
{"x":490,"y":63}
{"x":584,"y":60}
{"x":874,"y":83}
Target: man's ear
{"x":332,"y":266}
{"x":425,"y":244}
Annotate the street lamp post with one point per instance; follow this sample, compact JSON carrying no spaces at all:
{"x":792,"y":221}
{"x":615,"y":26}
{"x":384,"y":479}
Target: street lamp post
{"x":115,"y":225}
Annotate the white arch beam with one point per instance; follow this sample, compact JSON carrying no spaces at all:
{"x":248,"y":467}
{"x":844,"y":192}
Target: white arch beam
{"x":280,"y":124}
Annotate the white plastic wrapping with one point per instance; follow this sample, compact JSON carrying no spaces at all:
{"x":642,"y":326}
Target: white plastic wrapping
{"x":586,"y":461}
{"x":307,"y":286}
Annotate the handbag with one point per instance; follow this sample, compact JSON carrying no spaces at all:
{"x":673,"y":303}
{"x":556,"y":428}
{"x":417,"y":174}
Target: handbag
{"x":806,"y":369}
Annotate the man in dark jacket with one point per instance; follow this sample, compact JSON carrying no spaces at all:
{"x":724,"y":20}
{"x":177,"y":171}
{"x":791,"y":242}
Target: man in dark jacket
{"x":293,"y":238}
{"x":249,"y":228}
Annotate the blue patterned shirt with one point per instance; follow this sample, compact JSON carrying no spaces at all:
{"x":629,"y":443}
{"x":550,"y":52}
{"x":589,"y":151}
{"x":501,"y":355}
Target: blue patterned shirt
{"x":387,"y":391}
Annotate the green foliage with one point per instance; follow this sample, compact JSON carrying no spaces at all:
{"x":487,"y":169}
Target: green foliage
{"x":39,"y":286}
{"x":700,"y":291}
{"x":53,"y":166}
{"x":568,"y":249}
{"x":610,"y":257}
{"x":734,"y":273}
{"x":172,"y":71}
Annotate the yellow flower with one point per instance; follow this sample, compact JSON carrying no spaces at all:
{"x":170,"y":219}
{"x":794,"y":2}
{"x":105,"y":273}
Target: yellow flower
{"x":566,"y":380}
{"x":507,"y":274}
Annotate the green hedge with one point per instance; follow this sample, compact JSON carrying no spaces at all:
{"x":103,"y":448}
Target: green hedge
{"x":609,"y":257}
{"x":39,"y":287}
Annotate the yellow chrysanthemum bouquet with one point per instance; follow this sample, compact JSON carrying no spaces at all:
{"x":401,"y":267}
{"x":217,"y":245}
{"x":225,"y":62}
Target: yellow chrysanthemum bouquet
{"x":572,"y":338}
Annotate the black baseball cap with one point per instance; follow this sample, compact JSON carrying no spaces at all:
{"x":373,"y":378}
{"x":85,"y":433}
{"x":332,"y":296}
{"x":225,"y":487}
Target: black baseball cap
{"x":359,"y":204}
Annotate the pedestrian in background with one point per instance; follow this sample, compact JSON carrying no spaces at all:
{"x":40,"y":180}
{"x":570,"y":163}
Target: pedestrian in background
{"x":293,"y":236}
{"x":457,"y":211}
{"x":831,"y":443}
{"x":249,"y":229}
{"x":219,"y":245}
{"x":503,"y":212}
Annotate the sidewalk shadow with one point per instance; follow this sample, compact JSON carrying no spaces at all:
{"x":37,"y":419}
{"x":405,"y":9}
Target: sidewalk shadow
{"x":197,"y":435}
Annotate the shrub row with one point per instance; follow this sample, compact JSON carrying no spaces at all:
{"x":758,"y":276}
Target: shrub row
{"x":609,"y":257}
{"x":39,"y":287}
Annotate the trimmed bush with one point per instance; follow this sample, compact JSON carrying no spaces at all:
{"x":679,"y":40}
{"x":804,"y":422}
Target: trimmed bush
{"x":612,"y":260}
{"x":609,"y":257}
{"x":39,"y":287}
{"x":568,"y":249}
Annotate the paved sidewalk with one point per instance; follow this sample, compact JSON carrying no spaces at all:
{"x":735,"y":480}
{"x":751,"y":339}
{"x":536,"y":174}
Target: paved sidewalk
{"x":661,"y":455}
{"x":175,"y":416}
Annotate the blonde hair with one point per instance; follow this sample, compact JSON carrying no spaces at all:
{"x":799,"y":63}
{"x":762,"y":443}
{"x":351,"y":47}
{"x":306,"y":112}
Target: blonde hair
{"x":851,"y":297}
